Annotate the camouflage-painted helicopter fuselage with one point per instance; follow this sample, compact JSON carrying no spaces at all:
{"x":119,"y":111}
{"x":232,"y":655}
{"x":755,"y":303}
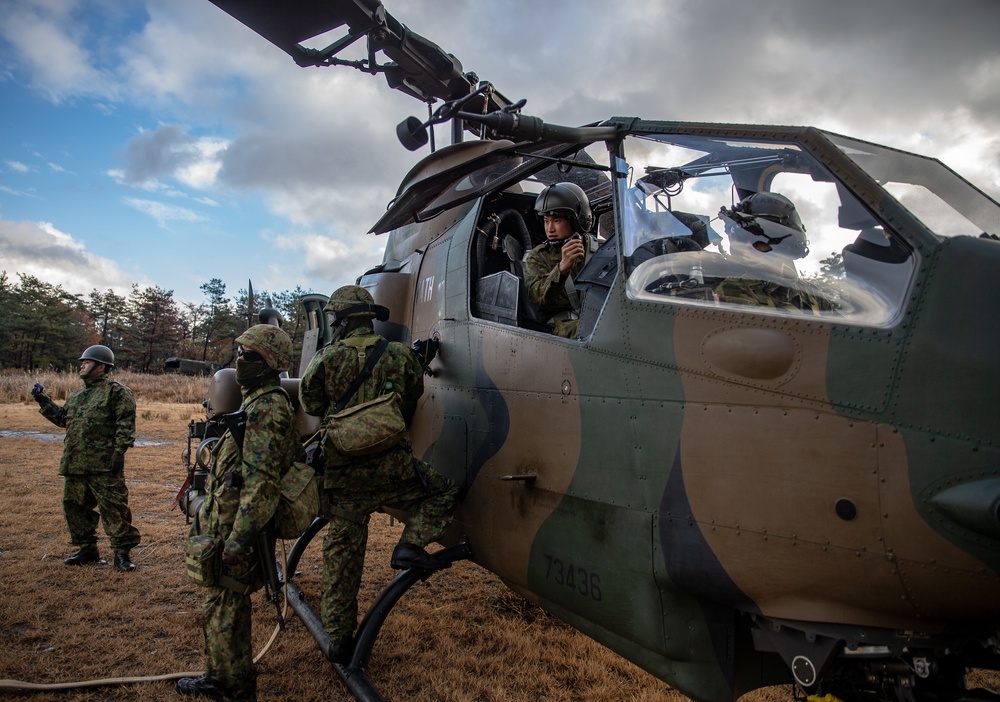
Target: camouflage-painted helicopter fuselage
{"x":729,"y":492}
{"x":702,"y":485}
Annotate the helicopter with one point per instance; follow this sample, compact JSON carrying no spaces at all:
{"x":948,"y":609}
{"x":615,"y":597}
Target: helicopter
{"x":728,"y":491}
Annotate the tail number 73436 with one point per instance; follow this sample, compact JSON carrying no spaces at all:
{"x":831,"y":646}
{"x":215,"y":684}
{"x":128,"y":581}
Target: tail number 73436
{"x":580,"y":580}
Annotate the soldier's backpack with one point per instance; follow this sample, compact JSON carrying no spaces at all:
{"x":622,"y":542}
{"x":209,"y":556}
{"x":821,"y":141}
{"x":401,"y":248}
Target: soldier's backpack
{"x":368,"y":428}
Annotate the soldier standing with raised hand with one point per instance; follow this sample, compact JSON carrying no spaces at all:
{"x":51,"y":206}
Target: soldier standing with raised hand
{"x":100,"y":426}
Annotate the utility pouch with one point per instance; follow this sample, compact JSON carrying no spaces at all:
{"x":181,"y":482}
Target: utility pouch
{"x":298,"y":505}
{"x":367,"y":429}
{"x":203,"y":557}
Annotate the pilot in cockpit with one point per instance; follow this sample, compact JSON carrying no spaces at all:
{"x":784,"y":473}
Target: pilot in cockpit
{"x":551,"y":267}
{"x":766,"y":236}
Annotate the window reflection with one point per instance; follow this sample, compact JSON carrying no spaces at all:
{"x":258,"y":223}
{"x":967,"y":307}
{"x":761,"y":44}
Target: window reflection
{"x":731,"y":223}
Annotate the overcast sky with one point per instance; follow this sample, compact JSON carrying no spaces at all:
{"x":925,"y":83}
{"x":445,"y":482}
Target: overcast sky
{"x":164,"y":143}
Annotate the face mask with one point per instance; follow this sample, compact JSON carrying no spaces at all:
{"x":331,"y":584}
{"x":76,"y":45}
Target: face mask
{"x":248,"y":372}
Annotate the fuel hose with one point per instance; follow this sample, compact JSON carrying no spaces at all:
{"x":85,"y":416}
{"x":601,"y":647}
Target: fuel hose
{"x":104,"y":682}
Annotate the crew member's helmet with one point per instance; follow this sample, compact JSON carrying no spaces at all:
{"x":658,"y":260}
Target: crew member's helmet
{"x":768,"y":220}
{"x":99,"y":354}
{"x":354,"y":301}
{"x":271,"y":342}
{"x":566,"y":200}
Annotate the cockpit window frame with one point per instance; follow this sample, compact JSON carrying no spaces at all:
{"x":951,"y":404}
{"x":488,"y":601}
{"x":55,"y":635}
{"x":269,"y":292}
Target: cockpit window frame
{"x":864,"y":307}
{"x":425,"y":199}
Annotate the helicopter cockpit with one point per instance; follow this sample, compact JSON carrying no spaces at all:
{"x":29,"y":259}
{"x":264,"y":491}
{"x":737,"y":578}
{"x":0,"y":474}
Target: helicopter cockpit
{"x":724,"y":222}
{"x":764,"y":222}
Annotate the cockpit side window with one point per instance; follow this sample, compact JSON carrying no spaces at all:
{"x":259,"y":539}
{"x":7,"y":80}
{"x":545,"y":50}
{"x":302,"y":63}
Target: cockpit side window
{"x":509,"y":226}
{"x":735,"y":224}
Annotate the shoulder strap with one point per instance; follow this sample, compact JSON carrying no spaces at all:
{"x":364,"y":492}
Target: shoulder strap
{"x":236,"y":422}
{"x":363,"y":375}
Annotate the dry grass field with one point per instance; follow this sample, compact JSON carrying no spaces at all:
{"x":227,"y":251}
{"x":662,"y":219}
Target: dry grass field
{"x":460,"y":636}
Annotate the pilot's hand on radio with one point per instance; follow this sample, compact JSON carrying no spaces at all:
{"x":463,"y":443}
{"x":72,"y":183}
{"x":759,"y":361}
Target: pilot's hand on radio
{"x":572,"y":251}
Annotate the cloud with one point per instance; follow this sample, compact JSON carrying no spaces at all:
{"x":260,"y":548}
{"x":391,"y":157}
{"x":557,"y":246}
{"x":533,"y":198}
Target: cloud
{"x":163,"y":213}
{"x":168,"y":151}
{"x":17,"y":193}
{"x":336,"y":261}
{"x":49,"y":40}
{"x":17,"y":166}
{"x":41,"y":250}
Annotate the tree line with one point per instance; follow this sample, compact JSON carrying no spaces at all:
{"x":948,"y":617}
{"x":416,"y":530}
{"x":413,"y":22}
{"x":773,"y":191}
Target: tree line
{"x":42,"y":326}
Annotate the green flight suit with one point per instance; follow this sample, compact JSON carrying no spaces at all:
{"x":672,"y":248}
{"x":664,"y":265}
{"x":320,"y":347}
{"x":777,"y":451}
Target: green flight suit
{"x":547,"y":287}
{"x":751,"y":291}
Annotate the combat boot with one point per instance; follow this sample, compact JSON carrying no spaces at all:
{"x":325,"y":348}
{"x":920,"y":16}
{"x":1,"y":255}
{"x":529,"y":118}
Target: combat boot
{"x":202,"y":685}
{"x":123,"y":563}
{"x":87,"y":554}
{"x":340,"y":651}
{"x":412,"y":556}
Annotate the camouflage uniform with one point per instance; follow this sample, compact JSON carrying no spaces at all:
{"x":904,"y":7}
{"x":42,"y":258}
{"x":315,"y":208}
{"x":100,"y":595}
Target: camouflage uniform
{"x":270,"y":446}
{"x":751,"y":291}
{"x":100,"y":427}
{"x":547,"y":287}
{"x":354,"y":487}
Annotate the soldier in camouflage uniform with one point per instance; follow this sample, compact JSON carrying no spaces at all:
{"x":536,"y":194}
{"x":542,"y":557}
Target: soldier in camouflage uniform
{"x":767,"y":235}
{"x":100,"y":427}
{"x":242,"y":494}
{"x":354,"y":487}
{"x":551,"y":267}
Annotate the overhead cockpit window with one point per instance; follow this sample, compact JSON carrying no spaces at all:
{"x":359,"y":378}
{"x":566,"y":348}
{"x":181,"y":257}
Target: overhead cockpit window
{"x":945,"y":202}
{"x":734,"y":223}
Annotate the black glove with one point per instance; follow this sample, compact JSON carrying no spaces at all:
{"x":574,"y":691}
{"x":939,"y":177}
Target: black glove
{"x":426,"y":350}
{"x":38,"y":393}
{"x":117,"y":462}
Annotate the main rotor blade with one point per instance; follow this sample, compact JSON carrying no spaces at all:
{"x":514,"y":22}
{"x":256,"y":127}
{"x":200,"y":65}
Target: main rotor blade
{"x":287,"y":24}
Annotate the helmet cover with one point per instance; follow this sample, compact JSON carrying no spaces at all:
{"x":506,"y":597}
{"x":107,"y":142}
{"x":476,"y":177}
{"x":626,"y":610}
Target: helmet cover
{"x":271,"y":342}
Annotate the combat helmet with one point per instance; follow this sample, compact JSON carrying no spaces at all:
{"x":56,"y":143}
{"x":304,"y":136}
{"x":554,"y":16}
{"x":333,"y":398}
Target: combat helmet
{"x":99,"y":354}
{"x":271,"y":342}
{"x":768,"y":220}
{"x":566,"y":200}
{"x":354,"y":301}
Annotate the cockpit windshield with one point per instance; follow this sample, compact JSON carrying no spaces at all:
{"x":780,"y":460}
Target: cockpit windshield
{"x":726,"y":222}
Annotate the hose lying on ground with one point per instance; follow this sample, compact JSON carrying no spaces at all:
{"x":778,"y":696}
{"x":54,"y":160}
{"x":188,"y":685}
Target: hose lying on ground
{"x":102,"y":682}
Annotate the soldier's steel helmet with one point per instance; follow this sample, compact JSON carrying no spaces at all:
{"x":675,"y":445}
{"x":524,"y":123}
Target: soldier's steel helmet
{"x":269,"y":341}
{"x":354,"y":301}
{"x":566,"y":200}
{"x":770,"y":220}
{"x":99,"y":354}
